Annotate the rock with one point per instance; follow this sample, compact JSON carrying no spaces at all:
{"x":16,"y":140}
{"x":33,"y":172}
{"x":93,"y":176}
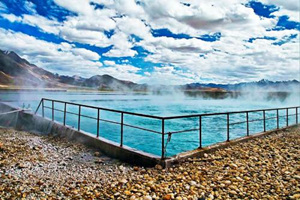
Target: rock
{"x":167,"y":197}
{"x":159,"y":167}
{"x":193,"y":183}
{"x":123,"y":181}
{"x":147,"y":198}
{"x":295,"y":196}
{"x":297,"y":177}
{"x":227,"y":182}
{"x":205,"y":155}
{"x":135,"y":168}
{"x":97,"y":154}
{"x":127,"y":192}
{"x":99,"y":161}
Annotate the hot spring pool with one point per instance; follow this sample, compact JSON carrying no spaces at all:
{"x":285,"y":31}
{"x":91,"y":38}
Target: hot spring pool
{"x":213,"y":128}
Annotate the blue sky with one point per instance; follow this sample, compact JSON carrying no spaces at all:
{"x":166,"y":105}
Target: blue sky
{"x":157,"y":42}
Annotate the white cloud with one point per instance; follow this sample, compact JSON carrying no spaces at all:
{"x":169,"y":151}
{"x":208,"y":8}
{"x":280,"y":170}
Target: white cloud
{"x":230,"y":59}
{"x":134,"y":26}
{"x":3,"y":7}
{"x":122,"y":47}
{"x":62,"y":58}
{"x":289,"y":8}
{"x":84,"y":36}
{"x":86,"y":54}
{"x":109,"y":62}
{"x":46,"y":25}
{"x":183,"y":45}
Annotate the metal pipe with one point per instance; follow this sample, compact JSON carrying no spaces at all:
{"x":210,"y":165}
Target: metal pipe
{"x":228,"y":127}
{"x":277,"y":118}
{"x":264,"y":113}
{"x":247,"y":119}
{"x":296,"y":115}
{"x":163,"y":139}
{"x":98,"y":121}
{"x":287,"y":117}
{"x":200,"y":131}
{"x":122,"y":118}
{"x":65,"y":112}
{"x":52,"y":110}
{"x":43,"y":108}
{"x":79,"y":114}
{"x":38,"y":106}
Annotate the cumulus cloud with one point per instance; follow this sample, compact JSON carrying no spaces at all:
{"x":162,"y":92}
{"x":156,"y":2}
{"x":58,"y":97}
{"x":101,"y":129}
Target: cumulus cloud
{"x":248,"y":48}
{"x":62,"y":58}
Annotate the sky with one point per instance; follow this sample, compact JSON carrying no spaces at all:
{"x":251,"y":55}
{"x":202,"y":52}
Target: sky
{"x":157,"y":41}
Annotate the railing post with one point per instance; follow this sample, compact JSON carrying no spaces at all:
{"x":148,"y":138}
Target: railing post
{"x":247,"y":120}
{"x":98,"y":118}
{"x":163,"y":139}
{"x":287,"y":117}
{"x":227,"y":127}
{"x":65,"y":112}
{"x":264,"y":116}
{"x":277,"y":118}
{"x":122,"y":118}
{"x":200,"y":131}
{"x":79,"y":113}
{"x":52,"y":110}
{"x":296,"y":115}
{"x":43,"y":114}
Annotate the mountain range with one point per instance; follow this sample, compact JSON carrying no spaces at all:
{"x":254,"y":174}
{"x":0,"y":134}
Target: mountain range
{"x":18,"y":72}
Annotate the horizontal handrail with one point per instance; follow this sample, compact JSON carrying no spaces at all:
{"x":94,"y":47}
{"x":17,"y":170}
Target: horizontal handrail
{"x":106,"y":109}
{"x":225,"y":113}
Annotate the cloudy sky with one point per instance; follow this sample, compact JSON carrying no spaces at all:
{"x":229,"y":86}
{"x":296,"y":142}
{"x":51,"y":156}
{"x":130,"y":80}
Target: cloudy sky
{"x":157,"y":41}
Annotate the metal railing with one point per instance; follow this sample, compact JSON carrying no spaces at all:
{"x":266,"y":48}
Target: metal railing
{"x":164,"y":119}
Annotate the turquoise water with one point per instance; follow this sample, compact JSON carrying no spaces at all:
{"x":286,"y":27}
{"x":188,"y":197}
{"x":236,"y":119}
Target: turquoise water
{"x":214,"y":128}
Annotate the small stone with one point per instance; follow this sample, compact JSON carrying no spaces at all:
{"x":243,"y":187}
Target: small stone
{"x":117,"y":194}
{"x":99,"y":161}
{"x":193,"y":183}
{"x":123,"y":181}
{"x":147,"y":198}
{"x":21,"y":166}
{"x":127,"y":192}
{"x":295,"y":196}
{"x":227,"y":182}
{"x":97,"y":154}
{"x":135,"y":168}
{"x":297,"y":177}
{"x":159,"y":167}
{"x":205,"y":155}
{"x":167,"y":197}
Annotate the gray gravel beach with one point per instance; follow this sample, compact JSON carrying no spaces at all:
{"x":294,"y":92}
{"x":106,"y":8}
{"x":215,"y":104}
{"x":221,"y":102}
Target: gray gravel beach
{"x":46,"y":167}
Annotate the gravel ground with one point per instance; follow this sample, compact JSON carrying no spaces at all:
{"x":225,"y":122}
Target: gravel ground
{"x":43,"y":167}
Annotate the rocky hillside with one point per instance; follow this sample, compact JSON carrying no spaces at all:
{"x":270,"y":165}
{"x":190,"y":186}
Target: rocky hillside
{"x":16,"y":71}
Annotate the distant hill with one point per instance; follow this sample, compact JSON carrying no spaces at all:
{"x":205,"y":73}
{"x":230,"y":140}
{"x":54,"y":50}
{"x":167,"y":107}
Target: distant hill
{"x":246,"y":86}
{"x":16,"y":71}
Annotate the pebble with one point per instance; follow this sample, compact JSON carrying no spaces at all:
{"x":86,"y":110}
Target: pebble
{"x":265,"y":168}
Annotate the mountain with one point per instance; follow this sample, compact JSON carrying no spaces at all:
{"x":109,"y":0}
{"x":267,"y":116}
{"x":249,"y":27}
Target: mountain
{"x":16,"y":71}
{"x":247,"y":86}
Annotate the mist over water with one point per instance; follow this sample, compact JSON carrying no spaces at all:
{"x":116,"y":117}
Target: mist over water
{"x":173,"y":103}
